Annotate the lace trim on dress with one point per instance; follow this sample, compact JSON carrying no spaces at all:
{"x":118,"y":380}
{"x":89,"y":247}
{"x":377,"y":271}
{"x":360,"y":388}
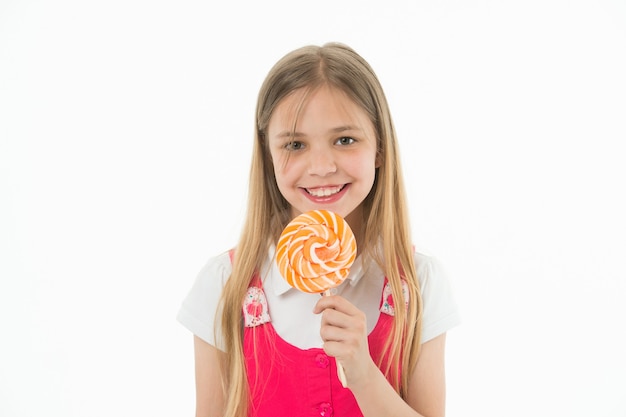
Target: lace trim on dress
{"x":388,"y":305}
{"x":255,"y":311}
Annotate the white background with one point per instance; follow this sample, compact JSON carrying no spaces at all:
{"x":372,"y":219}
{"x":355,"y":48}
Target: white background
{"x":125,"y":139}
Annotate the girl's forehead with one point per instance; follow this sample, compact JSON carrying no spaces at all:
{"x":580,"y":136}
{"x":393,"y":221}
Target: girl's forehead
{"x":316,"y":103}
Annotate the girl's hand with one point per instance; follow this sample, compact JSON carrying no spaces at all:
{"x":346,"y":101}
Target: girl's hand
{"x":344,"y":332}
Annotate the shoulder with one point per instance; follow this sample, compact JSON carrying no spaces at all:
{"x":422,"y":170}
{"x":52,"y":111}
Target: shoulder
{"x":218,"y":267}
{"x":440,"y":311}
{"x":213,"y":275}
{"x":199,"y":308}
{"x":427,"y":267}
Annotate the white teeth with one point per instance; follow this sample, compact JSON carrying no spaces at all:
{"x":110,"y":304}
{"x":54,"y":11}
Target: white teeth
{"x":324,"y":192}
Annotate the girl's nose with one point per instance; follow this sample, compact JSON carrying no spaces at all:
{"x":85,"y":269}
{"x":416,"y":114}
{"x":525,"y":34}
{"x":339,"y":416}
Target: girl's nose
{"x":321,"y":162}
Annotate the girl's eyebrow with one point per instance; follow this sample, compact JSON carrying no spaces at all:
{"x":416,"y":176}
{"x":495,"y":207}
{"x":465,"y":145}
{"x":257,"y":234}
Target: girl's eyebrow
{"x":289,"y":134}
{"x":339,"y":129}
{"x":344,"y":128}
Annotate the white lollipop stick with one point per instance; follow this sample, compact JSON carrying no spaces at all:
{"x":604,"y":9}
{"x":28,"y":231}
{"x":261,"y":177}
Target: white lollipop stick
{"x":340,"y":371}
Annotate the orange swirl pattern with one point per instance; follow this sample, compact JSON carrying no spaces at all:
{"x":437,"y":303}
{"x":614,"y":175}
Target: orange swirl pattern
{"x":315,"y":251}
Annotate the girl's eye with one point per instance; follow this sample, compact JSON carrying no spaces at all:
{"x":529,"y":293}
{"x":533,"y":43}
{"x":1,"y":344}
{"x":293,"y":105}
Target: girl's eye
{"x":294,"y":146}
{"x":345,"y":141}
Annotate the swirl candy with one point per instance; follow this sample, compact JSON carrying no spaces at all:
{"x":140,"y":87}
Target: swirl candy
{"x":314,"y":254}
{"x":315,"y":251}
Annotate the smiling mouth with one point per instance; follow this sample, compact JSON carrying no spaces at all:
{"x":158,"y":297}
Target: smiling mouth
{"x":324,"y":191}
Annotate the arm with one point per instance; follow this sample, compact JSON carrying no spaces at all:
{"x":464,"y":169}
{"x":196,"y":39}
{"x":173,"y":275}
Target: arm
{"x":344,"y":332}
{"x":426,"y":392}
{"x":209,"y":394}
{"x":427,"y":385}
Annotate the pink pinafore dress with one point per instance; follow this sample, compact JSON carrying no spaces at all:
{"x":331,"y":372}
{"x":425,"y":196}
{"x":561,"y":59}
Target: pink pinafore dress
{"x":285,"y":380}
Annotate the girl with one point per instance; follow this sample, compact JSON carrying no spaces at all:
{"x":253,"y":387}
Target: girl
{"x":324,"y":140}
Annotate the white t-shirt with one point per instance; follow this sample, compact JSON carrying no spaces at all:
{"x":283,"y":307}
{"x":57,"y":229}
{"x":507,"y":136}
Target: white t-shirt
{"x":291,"y":311}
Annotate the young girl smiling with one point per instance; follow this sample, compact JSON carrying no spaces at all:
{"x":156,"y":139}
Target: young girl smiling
{"x":324,"y":140}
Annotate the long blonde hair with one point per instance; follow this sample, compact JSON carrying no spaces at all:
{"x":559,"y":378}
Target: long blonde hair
{"x":385,"y":212}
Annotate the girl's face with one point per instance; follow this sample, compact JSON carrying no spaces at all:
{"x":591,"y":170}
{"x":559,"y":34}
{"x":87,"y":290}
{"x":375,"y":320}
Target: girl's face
{"x":329,"y":161}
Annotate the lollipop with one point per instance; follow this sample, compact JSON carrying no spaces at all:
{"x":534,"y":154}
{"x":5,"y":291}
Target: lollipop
{"x":314,"y":254}
{"x":315,"y":251}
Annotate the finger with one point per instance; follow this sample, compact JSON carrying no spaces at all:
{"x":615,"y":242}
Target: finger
{"x":336,"y":318}
{"x":335,"y":302}
{"x":341,"y":327}
{"x":333,"y":333}
{"x":346,"y":350}
{"x":335,"y":349}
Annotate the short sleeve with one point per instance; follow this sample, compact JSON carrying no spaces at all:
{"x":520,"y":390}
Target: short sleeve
{"x":440,"y":311}
{"x":199,"y":308}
